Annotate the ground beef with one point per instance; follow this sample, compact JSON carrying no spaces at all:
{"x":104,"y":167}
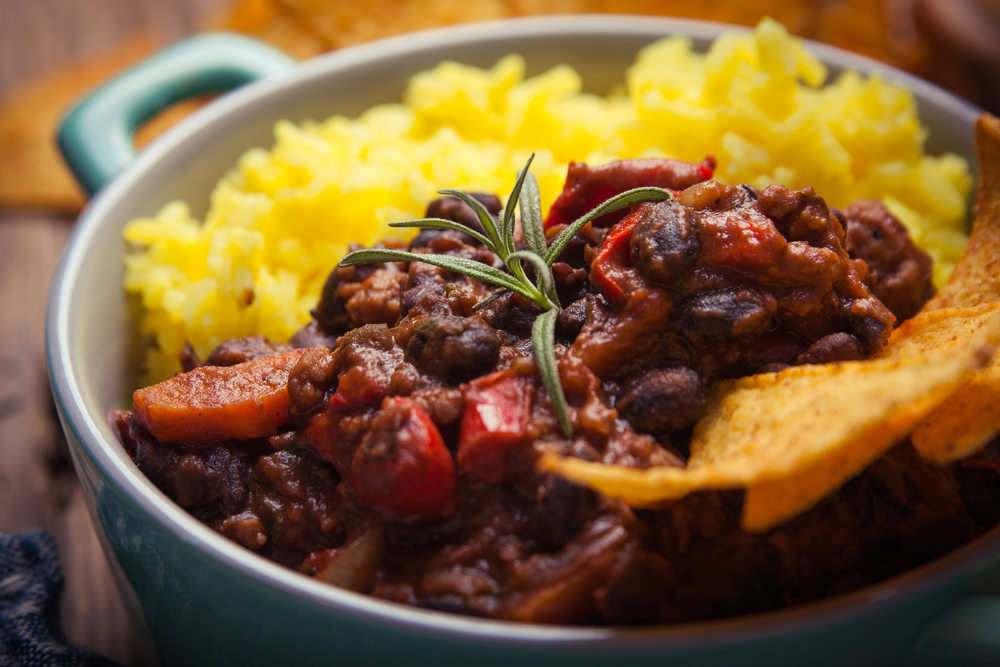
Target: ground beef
{"x":408,"y":471}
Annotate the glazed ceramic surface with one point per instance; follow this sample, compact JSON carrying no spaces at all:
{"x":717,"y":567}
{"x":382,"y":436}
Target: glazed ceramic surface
{"x":200,"y":599}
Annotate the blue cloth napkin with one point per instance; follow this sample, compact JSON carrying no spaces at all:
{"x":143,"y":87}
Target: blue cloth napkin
{"x":31,"y":585}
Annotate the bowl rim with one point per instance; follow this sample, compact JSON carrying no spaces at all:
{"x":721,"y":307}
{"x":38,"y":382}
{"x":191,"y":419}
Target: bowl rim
{"x":90,"y":431}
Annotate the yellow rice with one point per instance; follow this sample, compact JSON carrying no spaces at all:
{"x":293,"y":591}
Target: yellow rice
{"x":282,"y":218}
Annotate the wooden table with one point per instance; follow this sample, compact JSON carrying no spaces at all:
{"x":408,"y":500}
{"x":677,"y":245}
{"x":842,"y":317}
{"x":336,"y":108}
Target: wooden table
{"x":38,"y":487}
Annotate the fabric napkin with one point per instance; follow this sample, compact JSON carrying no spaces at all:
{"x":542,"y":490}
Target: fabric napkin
{"x":31,"y":586}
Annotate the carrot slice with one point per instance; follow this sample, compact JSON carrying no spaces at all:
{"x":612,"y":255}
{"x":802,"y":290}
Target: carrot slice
{"x":213,"y":403}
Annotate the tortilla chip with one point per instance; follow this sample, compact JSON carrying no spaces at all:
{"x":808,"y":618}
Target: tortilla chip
{"x":976,"y":279}
{"x":32,"y":172}
{"x":970,"y":417}
{"x":938,"y":330}
{"x":793,"y":437}
{"x":964,"y":423}
{"x":768,"y":504}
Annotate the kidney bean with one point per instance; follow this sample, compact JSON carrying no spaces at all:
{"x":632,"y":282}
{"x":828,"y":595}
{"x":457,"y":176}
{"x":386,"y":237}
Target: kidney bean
{"x":664,"y":244}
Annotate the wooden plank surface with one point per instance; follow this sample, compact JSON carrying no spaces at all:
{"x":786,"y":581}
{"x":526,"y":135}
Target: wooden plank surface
{"x":38,"y":487}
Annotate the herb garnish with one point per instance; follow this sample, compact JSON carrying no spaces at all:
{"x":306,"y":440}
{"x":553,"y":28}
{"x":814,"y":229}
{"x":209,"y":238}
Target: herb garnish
{"x":499,"y":238}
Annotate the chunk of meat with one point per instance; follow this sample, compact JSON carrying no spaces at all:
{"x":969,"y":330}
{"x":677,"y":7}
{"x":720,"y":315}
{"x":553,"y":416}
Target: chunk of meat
{"x":312,"y":376}
{"x":559,"y":588}
{"x":609,"y":344}
{"x":294,"y":496}
{"x":377,"y":299}
{"x":365,"y":360}
{"x":903,"y":272}
{"x":331,"y":313}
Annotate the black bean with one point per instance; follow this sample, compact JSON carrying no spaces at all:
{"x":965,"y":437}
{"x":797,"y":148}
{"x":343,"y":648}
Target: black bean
{"x":838,"y":346}
{"x":424,"y":237}
{"x":331,"y":312}
{"x":871,"y":332}
{"x":189,"y":358}
{"x":454,"y":348}
{"x":733,"y":313}
{"x":572,"y":319}
{"x":661,"y":400}
{"x":561,"y":508}
{"x":665,"y":242}
{"x":451,"y":208}
{"x":311,"y":335}
{"x":240,"y":350}
{"x":511,"y":313}
{"x":415,"y":295}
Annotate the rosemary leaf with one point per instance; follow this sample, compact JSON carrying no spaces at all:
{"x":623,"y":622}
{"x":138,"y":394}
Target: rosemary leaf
{"x":468,"y":267}
{"x":542,"y":273}
{"x":543,"y":333}
{"x":507,"y":222}
{"x":441,"y":223}
{"x":499,"y":245}
{"x":531,"y":216}
{"x":616,"y":203}
{"x":499,"y":238}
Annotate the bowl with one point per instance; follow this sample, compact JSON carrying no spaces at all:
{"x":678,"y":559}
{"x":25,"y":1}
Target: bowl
{"x":199,"y":599}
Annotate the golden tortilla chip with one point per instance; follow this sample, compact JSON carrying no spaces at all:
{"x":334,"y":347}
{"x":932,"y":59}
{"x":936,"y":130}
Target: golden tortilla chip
{"x":793,"y":437}
{"x":768,"y":504}
{"x":970,"y":417}
{"x":976,"y":279}
{"x":965,"y":422}
{"x":937,"y":330}
{"x":32,"y":172}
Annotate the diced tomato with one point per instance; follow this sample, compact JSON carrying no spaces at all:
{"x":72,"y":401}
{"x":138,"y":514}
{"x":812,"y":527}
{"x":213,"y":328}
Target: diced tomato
{"x":402,"y":465}
{"x":322,"y":432}
{"x":495,"y":419}
{"x":368,"y":356}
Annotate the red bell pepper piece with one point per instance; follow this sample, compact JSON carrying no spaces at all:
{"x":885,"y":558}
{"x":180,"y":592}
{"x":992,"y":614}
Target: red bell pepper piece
{"x":495,"y":419}
{"x":402,"y":465}
{"x":613,"y":259}
{"x":587,"y":187}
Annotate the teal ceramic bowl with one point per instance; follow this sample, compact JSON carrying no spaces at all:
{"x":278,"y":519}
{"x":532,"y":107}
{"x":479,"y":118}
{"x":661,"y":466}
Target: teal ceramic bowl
{"x":199,"y":599}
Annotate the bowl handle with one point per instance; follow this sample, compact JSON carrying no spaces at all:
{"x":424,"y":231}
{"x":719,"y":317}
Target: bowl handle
{"x":95,"y":137}
{"x":966,"y":634}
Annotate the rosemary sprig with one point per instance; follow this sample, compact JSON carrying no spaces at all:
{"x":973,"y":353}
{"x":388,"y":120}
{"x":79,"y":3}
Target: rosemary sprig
{"x":499,"y":238}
